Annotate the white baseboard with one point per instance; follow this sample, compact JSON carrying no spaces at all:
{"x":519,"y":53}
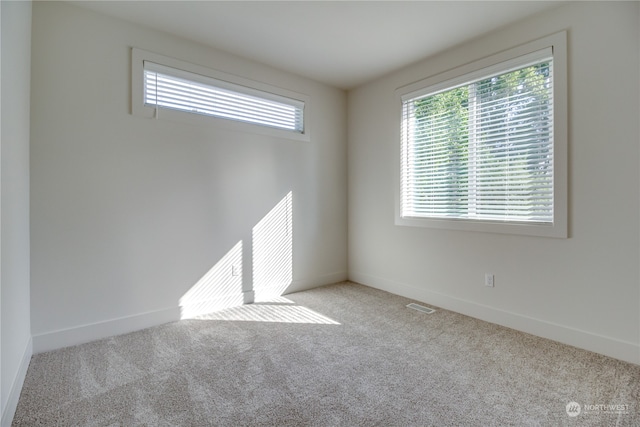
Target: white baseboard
{"x":618,"y":349}
{"x":85,"y":333}
{"x":199,"y":307}
{"x":54,"y":340}
{"x":327,"y":279}
{"x":16,"y":386}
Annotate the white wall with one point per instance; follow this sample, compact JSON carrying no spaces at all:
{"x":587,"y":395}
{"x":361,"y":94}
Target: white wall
{"x":583,"y":290}
{"x":128,"y":214}
{"x":14,"y":219}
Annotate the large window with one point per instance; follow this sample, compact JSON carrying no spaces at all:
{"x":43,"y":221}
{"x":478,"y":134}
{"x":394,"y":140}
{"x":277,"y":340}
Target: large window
{"x":483,"y":148}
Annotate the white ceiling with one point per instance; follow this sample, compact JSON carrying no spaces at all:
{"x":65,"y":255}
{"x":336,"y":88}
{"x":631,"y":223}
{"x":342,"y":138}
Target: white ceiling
{"x":341,"y":43}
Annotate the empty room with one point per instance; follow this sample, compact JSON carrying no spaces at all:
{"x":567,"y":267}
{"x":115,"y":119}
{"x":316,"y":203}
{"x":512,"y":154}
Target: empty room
{"x":385,"y":213}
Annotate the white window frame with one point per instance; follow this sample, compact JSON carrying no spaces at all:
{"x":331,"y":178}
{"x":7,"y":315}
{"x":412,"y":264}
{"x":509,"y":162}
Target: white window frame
{"x":484,"y":67}
{"x":270,"y":92}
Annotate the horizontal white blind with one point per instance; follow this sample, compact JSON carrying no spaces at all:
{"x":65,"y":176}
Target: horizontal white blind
{"x":482,"y":150}
{"x":175,"y":89}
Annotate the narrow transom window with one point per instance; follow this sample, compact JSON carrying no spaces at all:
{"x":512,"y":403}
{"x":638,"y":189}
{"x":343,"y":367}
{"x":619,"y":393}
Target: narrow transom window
{"x":172,"y":88}
{"x":481,"y":147}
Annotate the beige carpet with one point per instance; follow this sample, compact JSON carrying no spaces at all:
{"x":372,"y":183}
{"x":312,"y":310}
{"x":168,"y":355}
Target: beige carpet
{"x":340,"y":355}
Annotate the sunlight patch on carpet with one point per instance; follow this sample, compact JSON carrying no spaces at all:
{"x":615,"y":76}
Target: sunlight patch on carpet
{"x":270,"y":313}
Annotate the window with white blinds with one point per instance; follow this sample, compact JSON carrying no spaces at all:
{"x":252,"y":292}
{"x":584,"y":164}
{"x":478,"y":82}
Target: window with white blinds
{"x":171,"y":88}
{"x":481,"y":147}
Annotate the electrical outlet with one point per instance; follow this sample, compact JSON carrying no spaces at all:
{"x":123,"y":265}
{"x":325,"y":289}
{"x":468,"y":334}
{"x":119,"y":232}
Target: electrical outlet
{"x":235,"y":270}
{"x":489,"y":280}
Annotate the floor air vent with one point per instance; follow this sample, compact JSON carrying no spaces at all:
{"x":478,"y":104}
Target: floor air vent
{"x":421,"y":308}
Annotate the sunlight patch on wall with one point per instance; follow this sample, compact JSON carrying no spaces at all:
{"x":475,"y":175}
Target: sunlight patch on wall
{"x":271,"y":274}
{"x":273,"y":251}
{"x":219,"y":288}
{"x":277,"y":313}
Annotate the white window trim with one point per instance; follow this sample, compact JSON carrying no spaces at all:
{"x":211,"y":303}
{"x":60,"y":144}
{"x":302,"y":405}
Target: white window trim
{"x":485,"y":66}
{"x":138,"y":107}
